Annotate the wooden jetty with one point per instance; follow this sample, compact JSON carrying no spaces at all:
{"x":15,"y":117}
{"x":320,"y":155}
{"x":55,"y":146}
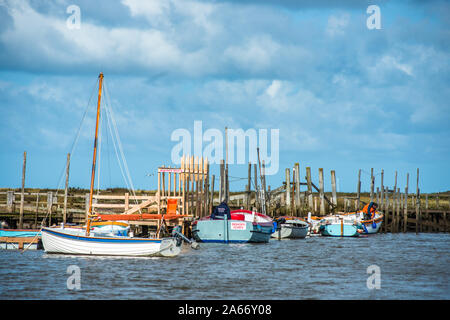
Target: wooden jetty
{"x":189,"y":189}
{"x":19,"y":242}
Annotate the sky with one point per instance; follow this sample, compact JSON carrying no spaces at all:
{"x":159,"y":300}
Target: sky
{"x":343,"y":97}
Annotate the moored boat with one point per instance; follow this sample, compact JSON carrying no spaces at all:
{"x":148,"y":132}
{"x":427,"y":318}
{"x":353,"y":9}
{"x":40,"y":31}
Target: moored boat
{"x":290,"y":228}
{"x":75,"y":241}
{"x":240,"y":226}
{"x":338,"y":227}
{"x":368,"y":226}
{"x":103,"y":238}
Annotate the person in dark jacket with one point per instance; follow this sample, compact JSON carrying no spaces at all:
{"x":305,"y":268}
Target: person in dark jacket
{"x":220,"y":211}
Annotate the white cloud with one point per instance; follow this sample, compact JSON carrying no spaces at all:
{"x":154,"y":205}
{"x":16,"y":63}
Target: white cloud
{"x":391,"y":62}
{"x":337,"y":24}
{"x":272,"y":90}
{"x":256,"y":54}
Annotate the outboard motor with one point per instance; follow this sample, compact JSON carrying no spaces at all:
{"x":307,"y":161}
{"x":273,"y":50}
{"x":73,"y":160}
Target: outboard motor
{"x":176,"y":233}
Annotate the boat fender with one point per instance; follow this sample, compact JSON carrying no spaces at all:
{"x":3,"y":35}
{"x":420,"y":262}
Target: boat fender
{"x":274,"y":228}
{"x":374,"y":225}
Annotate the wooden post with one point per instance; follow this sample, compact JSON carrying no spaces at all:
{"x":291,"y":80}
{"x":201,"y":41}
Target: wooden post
{"x":158,"y":192}
{"x":263,"y":185}
{"x":49,"y":207}
{"x":200,"y":187}
{"x":372,"y":185}
{"x":405,"y":212}
{"x":358,"y":191}
{"x":394,"y":199}
{"x":163,"y":184}
{"x":321,"y":192}
{"x":394,"y":210}
{"x":36,"y":211}
{"x":187,"y":177}
{"x":10,"y":197}
{"x":315,"y":204}
{"x":397,"y":218}
{"x":127,"y":201}
{"x":288,"y":191}
{"x":382,"y":204}
{"x":427,"y":215}
{"x":309,"y":184}
{"x":86,"y":206}
{"x":333,"y":188}
{"x":183,"y":183}
{"x":386,"y":193}
{"x":249,"y":186}
{"x":22,"y":194}
{"x":66,"y":189}
{"x":297,"y":187}
{"x":192,"y":177}
{"x":227,"y":187}
{"x":207,"y":188}
{"x":197,"y":202}
{"x":345,"y":204}
{"x":378,"y":195}
{"x":222,"y":180}
{"x":211,"y":202}
{"x":417,"y":204}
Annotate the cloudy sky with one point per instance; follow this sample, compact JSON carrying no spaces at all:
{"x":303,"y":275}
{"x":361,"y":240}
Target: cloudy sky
{"x":344,"y":97}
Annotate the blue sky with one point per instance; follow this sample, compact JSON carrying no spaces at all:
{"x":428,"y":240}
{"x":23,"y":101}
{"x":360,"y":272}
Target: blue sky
{"x":343,"y":97}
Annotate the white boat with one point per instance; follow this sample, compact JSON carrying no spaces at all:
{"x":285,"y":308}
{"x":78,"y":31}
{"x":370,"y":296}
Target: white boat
{"x":75,"y":241}
{"x":98,"y":238}
{"x":290,"y":228}
{"x":369,"y":226}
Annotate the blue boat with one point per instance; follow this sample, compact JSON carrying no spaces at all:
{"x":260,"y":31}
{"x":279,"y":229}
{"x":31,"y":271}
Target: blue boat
{"x":238,"y":226}
{"x":16,"y":233}
{"x":336,"y":226}
{"x":20,"y":238}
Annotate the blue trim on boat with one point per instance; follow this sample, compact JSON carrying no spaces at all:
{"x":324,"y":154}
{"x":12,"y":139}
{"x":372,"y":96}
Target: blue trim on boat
{"x":96,"y":239}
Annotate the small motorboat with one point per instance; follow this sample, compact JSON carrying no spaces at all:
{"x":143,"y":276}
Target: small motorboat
{"x":240,"y":226}
{"x":368,"y":226}
{"x":290,"y":228}
{"x":339,"y":226}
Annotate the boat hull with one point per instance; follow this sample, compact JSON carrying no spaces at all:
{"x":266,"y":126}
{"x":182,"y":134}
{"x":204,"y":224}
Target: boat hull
{"x":339,"y":230}
{"x":19,"y":233}
{"x":368,"y":226}
{"x":225,"y":231}
{"x":288,"y":231}
{"x":58,"y":241}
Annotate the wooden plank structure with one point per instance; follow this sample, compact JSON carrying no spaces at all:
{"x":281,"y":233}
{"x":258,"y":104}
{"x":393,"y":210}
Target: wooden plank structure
{"x":17,"y":242}
{"x":190,"y":187}
{"x":188,"y":184}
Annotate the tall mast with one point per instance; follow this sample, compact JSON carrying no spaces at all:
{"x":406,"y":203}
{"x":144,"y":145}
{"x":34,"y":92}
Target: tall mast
{"x":100,"y":81}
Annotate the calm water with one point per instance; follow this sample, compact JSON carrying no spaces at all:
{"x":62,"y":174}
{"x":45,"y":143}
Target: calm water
{"x":412,"y":267}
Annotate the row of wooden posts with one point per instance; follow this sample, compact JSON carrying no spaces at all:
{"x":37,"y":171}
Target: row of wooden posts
{"x":392,"y":201}
{"x":193,"y":187}
{"x":295,"y":199}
